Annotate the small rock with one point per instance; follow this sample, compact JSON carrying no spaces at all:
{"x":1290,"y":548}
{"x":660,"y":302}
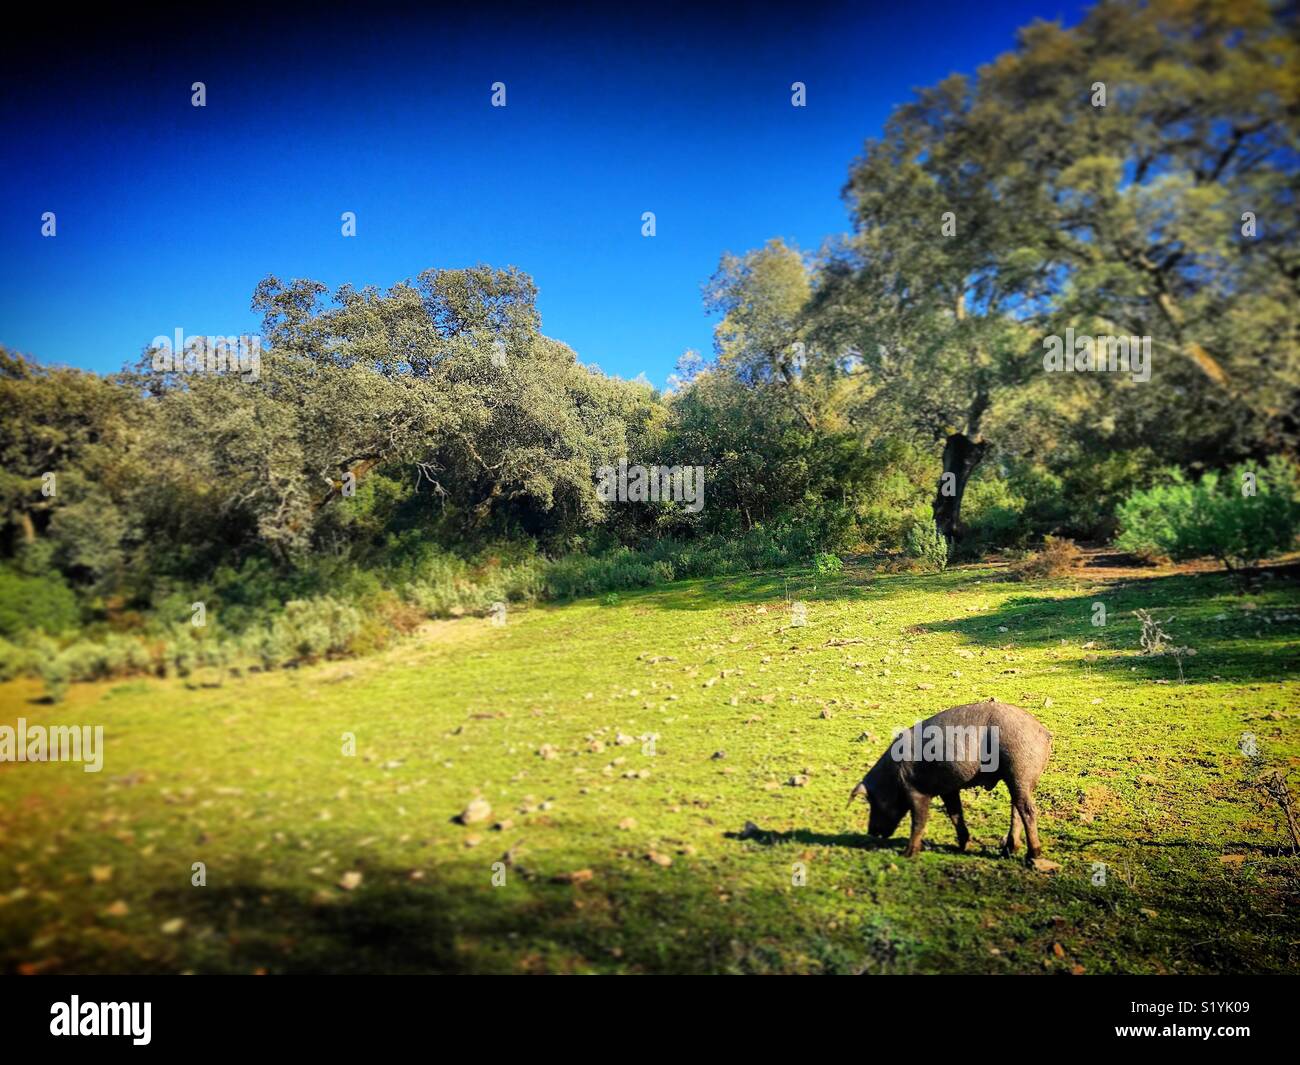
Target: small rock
{"x":477,"y":810}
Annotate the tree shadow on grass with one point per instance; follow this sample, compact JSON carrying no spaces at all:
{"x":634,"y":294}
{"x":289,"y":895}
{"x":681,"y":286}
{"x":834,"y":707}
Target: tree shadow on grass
{"x":616,"y":921}
{"x":1201,"y":611}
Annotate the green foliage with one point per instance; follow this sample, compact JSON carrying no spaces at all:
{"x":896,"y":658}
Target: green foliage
{"x":312,"y":628}
{"x":35,"y":602}
{"x":927,"y":545}
{"x":826,"y":565}
{"x":427,"y":450}
{"x":993,"y":513}
{"x":56,"y":672}
{"x":1215,"y":516}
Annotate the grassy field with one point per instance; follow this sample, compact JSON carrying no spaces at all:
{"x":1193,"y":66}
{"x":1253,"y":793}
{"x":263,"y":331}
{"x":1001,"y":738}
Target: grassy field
{"x":621,"y":853}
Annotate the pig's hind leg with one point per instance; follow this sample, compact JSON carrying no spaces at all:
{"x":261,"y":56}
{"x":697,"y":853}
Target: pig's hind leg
{"x":952,"y":804}
{"x":1023,"y":802}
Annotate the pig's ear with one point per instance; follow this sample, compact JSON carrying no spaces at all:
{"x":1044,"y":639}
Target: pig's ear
{"x":861,"y":789}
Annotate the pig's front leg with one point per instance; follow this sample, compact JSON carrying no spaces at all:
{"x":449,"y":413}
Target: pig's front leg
{"x":920,"y":814}
{"x":952,"y":804}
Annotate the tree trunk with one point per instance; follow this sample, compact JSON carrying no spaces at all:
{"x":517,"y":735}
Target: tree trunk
{"x":961,"y":455}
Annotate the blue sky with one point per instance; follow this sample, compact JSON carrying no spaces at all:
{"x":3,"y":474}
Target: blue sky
{"x":168,"y":214}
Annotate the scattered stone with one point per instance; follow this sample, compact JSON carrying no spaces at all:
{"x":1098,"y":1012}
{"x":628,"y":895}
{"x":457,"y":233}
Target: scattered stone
{"x":477,"y":810}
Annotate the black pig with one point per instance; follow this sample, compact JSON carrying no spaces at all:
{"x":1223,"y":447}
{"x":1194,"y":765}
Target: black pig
{"x":967,"y":746}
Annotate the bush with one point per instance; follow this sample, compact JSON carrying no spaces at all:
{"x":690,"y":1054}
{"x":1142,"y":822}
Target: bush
{"x":55,"y":672}
{"x":313,"y":628}
{"x":14,"y":660}
{"x":35,"y":602}
{"x":927,"y":545}
{"x":826,"y":564}
{"x":1216,"y":516}
{"x":993,"y":515}
{"x":1056,"y":559}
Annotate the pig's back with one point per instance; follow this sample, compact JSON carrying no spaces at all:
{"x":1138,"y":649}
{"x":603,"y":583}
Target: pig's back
{"x":1023,"y":743}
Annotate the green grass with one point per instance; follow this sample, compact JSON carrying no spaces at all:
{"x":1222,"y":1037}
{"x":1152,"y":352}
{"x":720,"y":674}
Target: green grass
{"x":249,"y":778}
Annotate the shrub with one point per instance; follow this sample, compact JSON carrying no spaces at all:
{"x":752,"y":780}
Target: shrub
{"x":14,"y":660}
{"x":55,"y":672}
{"x":993,"y":515}
{"x":927,"y":545}
{"x":35,"y":602}
{"x":826,"y":565}
{"x":1056,"y":559}
{"x":1216,"y":516}
{"x":313,"y":628}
